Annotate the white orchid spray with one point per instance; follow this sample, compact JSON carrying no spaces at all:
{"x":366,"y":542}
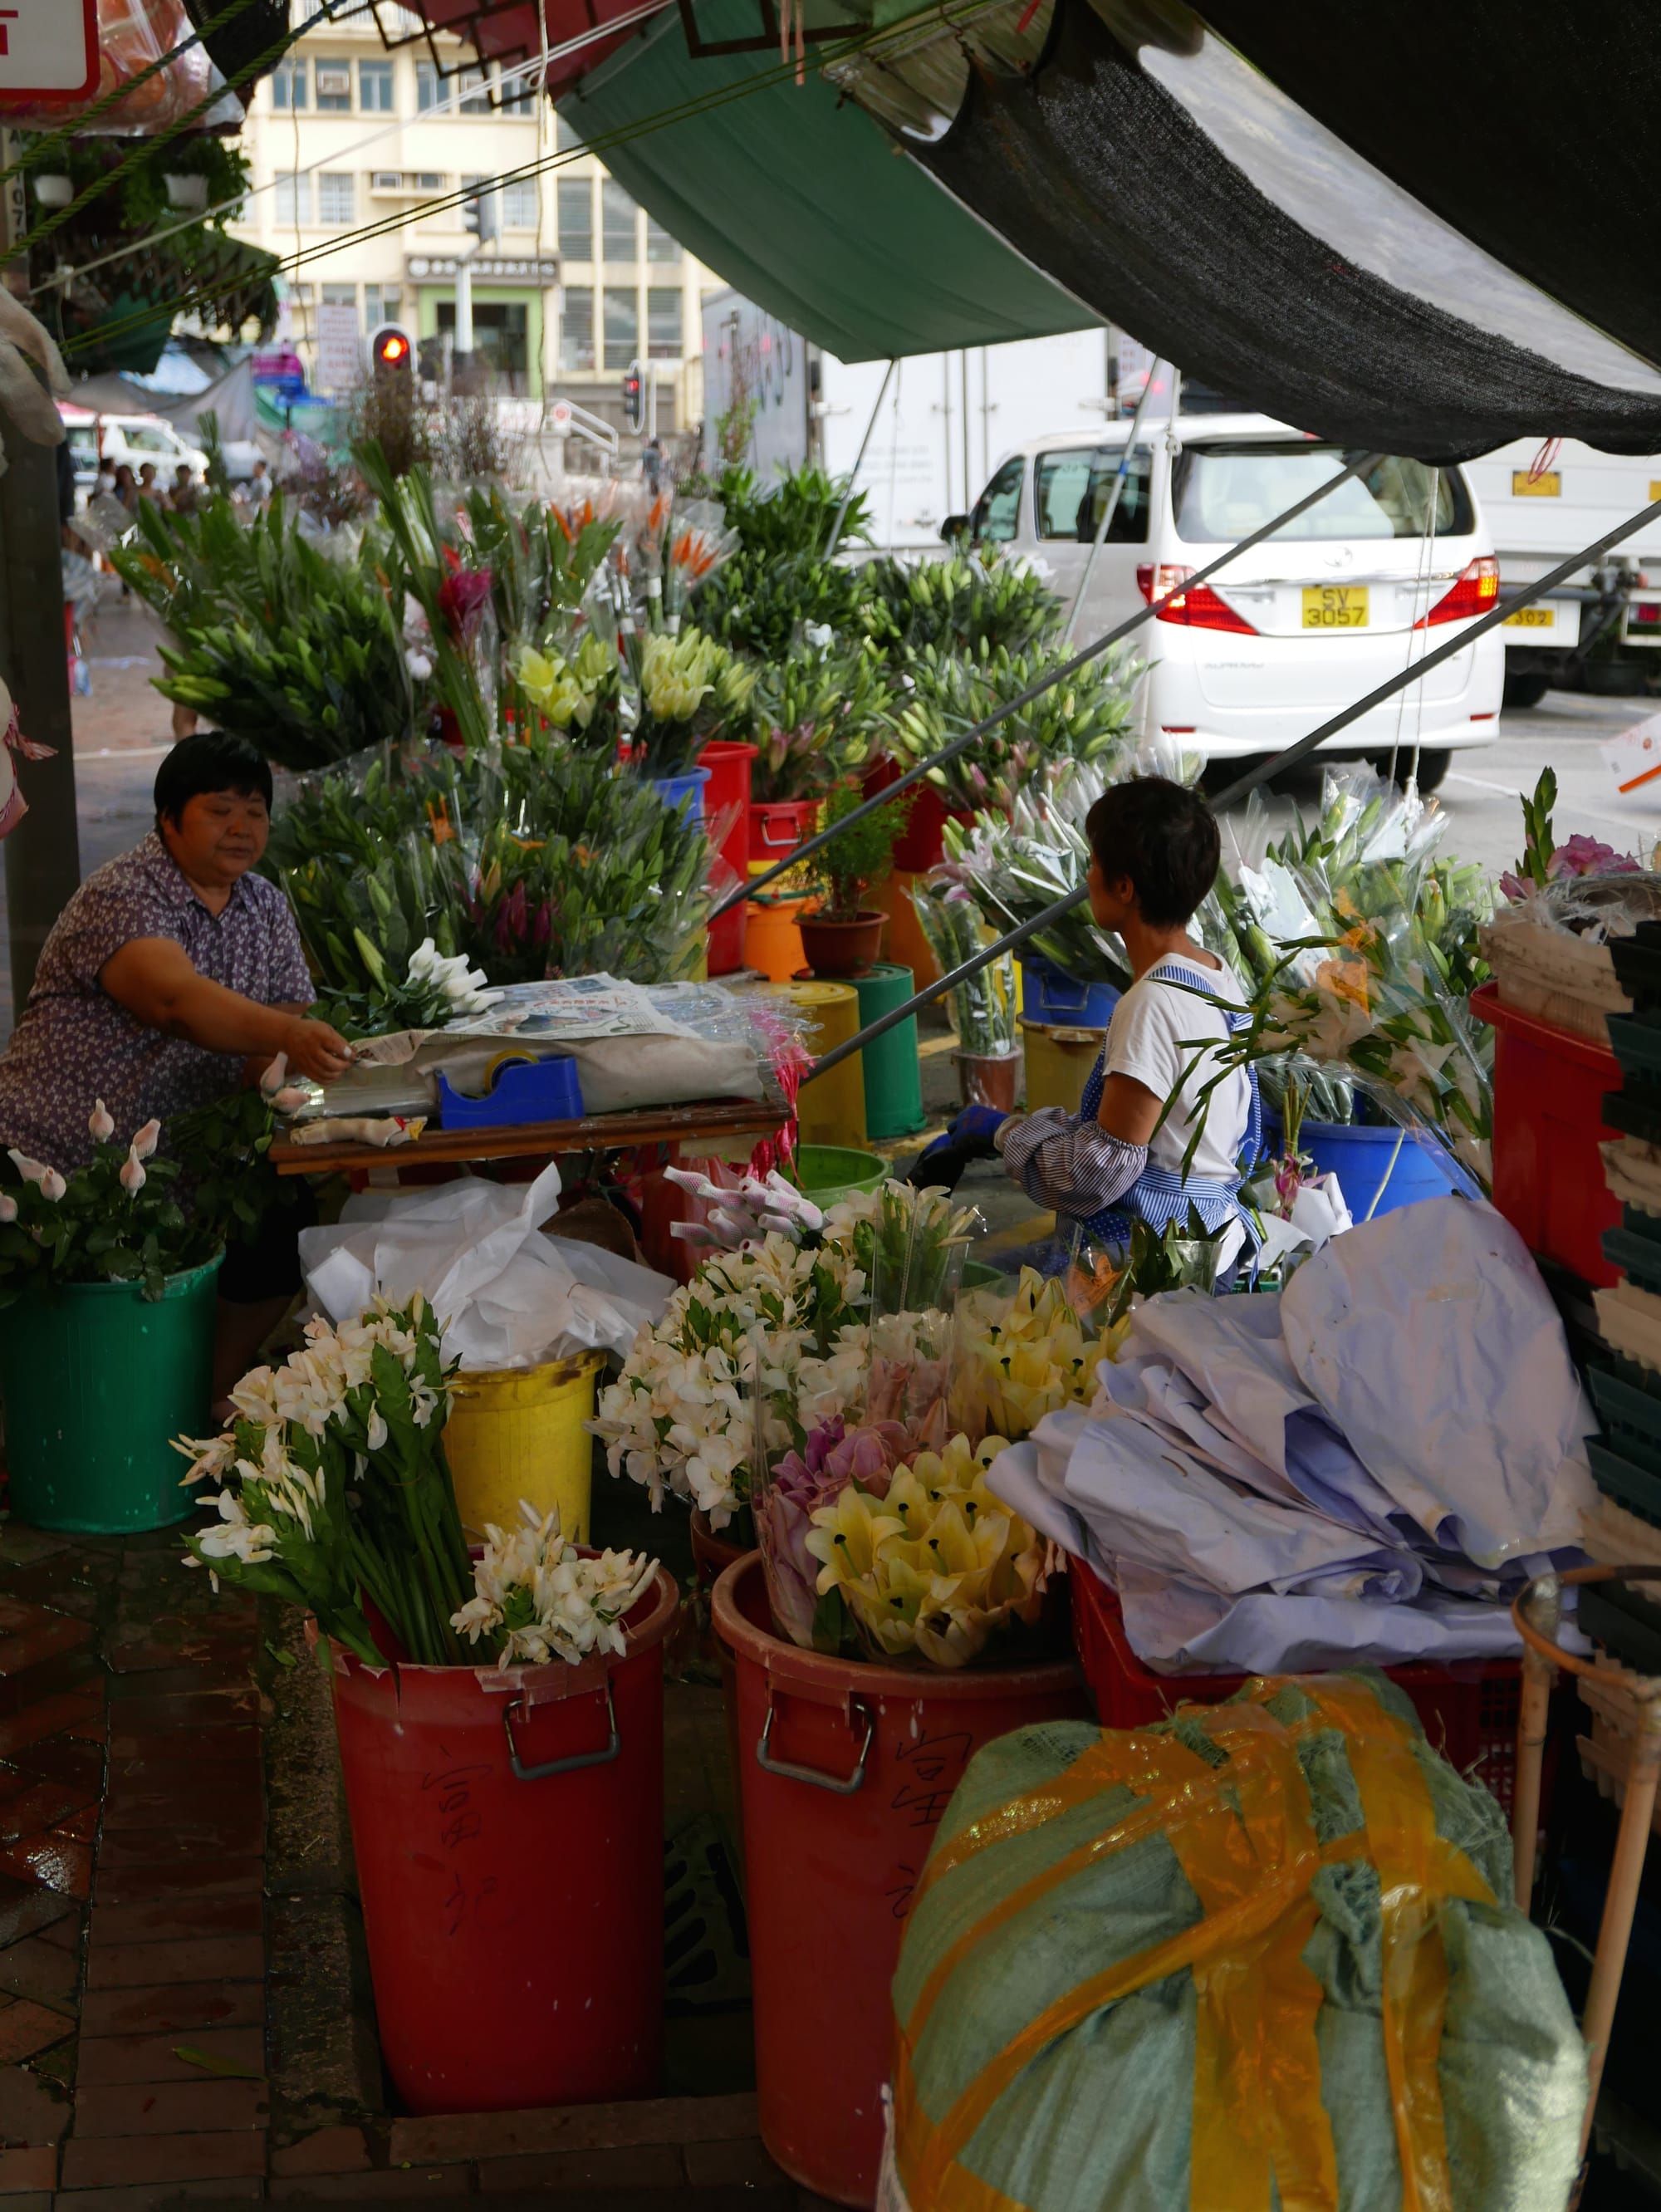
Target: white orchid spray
{"x":537,"y":1598}
{"x":681,"y":1420}
{"x":334,"y":1492}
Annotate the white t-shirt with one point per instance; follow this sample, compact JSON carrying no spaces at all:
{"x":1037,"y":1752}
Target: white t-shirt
{"x":1151,"y":1038}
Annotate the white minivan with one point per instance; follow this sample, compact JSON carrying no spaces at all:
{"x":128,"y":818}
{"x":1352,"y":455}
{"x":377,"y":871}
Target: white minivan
{"x":1302,"y":625}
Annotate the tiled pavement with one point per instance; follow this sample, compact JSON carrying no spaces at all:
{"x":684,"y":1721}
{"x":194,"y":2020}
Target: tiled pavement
{"x":184,"y":2006}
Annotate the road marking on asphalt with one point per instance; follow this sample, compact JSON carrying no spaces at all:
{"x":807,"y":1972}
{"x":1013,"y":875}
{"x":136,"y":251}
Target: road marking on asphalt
{"x":1624,"y":821}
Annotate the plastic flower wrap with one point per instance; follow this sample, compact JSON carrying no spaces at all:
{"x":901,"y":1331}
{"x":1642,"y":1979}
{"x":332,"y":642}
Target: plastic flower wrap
{"x":689,"y":686}
{"x":1019,"y":1357}
{"x":537,"y":1598}
{"x":935,"y":1565}
{"x":984,"y":1008}
{"x":832,"y":1456}
{"x":576,"y":691}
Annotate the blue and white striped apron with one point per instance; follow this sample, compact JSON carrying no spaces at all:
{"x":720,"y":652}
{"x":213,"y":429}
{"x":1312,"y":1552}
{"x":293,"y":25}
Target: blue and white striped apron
{"x":1159,"y":1196}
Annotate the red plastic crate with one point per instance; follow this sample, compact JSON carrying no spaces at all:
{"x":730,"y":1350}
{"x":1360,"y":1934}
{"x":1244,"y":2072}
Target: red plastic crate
{"x":1548,"y":1088}
{"x":1469,"y":1711}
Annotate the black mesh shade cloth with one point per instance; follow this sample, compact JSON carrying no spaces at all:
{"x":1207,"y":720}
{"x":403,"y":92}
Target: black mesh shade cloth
{"x":1189,"y":199}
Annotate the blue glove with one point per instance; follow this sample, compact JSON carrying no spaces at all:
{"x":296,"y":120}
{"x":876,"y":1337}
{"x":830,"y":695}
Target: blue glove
{"x":969,"y":1137}
{"x":978,"y":1121}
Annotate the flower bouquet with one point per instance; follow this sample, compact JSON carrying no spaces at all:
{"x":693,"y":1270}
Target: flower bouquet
{"x":689,"y":688}
{"x":117,"y":1219}
{"x":1087,"y":718}
{"x":982,"y":1009}
{"x":815,"y":716}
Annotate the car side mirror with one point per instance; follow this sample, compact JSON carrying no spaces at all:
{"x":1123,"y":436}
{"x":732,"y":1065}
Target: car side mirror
{"x":953,"y":527}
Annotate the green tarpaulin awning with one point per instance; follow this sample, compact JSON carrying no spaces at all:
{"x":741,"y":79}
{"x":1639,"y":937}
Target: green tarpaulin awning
{"x":804,"y":204}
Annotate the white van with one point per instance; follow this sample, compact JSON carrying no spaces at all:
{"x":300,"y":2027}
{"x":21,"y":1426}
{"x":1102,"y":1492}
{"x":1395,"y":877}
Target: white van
{"x":1304,"y":624}
{"x":133,"y":439}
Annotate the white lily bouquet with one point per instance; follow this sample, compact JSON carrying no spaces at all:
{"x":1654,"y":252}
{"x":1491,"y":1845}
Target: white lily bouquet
{"x":538,"y":1598}
{"x":680,"y":1417}
{"x":334,"y":1494}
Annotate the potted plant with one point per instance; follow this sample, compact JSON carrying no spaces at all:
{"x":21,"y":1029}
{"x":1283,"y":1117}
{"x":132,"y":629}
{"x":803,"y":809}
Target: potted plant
{"x":473,"y":1699}
{"x":846,"y":936}
{"x":107,"y":1285}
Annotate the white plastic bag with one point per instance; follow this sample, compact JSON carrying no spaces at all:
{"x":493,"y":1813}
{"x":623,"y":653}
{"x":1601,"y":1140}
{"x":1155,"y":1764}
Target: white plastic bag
{"x":506,"y":1296}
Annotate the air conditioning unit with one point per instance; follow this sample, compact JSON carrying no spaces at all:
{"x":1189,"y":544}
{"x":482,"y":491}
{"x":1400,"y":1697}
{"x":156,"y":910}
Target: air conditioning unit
{"x":334,"y":79}
{"x":429,"y":180}
{"x":387,"y":181}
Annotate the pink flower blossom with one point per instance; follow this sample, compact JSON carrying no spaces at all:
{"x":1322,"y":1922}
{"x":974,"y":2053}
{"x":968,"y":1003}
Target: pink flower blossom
{"x":836,"y":1456}
{"x":1589,"y":856}
{"x":133,"y":1177}
{"x":146,"y":1140}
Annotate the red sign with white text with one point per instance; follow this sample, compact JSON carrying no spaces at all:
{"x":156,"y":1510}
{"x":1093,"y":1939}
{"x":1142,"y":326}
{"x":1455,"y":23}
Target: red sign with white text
{"x":48,"y":52}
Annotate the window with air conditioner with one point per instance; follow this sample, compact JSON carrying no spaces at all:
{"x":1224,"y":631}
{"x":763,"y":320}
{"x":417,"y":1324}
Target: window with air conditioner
{"x":387,"y":180}
{"x":429,"y":180}
{"x":333,"y":80}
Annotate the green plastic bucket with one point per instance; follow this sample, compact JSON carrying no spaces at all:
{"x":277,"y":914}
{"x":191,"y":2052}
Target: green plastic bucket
{"x":97,"y":1381}
{"x":827,"y":1172}
{"x":893,"y":1081}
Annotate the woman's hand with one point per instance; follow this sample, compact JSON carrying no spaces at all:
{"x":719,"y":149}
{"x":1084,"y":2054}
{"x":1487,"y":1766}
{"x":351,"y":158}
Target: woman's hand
{"x":315,"y":1049}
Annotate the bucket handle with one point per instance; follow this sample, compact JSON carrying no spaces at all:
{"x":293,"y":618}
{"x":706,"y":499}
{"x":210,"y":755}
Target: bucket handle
{"x":838,"y":1786}
{"x":523,"y":1773}
{"x":790,"y":838}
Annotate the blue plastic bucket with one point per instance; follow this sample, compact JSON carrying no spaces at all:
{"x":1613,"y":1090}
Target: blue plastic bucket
{"x":1374,"y":1175}
{"x":676,"y":790}
{"x":1048,"y":996}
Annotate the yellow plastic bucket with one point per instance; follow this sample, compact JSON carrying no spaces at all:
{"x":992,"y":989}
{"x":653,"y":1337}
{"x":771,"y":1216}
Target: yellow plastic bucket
{"x":518,"y":1432}
{"x":1058,"y":1064}
{"x":831,"y":1110}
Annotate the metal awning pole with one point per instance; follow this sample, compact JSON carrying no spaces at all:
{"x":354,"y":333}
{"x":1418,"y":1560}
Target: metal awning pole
{"x":859,"y":457}
{"x":1110,"y":508}
{"x":1411,"y":674}
{"x":950,"y":752}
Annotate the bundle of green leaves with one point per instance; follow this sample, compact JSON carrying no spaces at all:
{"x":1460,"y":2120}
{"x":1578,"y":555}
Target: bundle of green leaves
{"x":970,"y":602}
{"x":541,"y":561}
{"x":532,"y":860}
{"x":1087,"y":718}
{"x":814,"y":716}
{"x":273,"y":640}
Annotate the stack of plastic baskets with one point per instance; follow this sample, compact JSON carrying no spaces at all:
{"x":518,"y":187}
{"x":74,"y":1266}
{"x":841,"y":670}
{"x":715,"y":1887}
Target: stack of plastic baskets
{"x":1624,"y":1374}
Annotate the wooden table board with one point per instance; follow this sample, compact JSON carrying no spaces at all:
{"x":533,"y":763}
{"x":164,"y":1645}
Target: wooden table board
{"x":651,"y":1124}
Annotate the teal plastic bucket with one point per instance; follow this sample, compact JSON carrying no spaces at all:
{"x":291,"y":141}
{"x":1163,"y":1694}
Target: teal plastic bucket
{"x":893,"y":1079}
{"x":827,"y":1172}
{"x":97,"y":1381}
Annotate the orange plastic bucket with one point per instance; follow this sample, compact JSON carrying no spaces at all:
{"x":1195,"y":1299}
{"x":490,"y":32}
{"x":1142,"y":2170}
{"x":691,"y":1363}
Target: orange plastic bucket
{"x":845,"y":1771}
{"x":772,"y":941}
{"x":508,"y":1830}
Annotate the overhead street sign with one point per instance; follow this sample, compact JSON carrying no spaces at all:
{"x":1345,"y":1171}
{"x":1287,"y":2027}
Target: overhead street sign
{"x":48,"y":50}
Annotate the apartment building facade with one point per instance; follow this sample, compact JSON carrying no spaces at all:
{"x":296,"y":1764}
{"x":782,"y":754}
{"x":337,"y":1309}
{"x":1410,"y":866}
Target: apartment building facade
{"x":349,"y":144}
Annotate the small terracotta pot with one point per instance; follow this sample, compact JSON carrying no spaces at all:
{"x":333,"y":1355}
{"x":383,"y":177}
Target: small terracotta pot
{"x":843,"y":948}
{"x":989,"y":1078}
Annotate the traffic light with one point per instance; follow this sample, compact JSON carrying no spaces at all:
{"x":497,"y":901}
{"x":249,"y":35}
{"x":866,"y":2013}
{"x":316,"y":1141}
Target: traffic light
{"x":634,"y":398}
{"x":481,"y":215}
{"x":391,"y":357}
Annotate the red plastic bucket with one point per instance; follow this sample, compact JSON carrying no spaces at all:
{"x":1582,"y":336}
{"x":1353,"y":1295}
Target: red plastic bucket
{"x":777,"y":826}
{"x":1549,"y":1087}
{"x":508,"y":1830}
{"x":1468,"y":1711}
{"x":729,"y":764}
{"x":845,"y":1772}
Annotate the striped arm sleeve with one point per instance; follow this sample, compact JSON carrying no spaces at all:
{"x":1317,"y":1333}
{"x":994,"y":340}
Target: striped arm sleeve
{"x":1064,"y":1162}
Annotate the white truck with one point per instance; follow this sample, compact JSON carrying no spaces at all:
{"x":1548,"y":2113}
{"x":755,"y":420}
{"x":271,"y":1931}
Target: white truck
{"x":945,"y":420}
{"x":1542,"y":502}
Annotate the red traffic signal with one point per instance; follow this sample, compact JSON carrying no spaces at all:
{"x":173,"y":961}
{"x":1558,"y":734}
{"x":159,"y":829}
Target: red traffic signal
{"x":390,"y":351}
{"x":634,"y":398}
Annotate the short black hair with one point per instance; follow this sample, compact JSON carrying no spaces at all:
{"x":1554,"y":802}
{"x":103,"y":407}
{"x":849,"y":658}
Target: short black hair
{"x":1164,"y":837}
{"x":212,"y":760}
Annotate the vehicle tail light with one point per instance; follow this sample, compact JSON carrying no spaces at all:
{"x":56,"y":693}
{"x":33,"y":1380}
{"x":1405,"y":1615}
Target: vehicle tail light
{"x":1200,"y":609}
{"x":1646,"y":611}
{"x":1473,"y":591}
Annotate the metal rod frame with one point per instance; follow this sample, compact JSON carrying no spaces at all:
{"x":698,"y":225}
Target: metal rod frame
{"x":859,"y":461}
{"x":1110,"y":506}
{"x":1414,"y":670}
{"x":1069,"y":667}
